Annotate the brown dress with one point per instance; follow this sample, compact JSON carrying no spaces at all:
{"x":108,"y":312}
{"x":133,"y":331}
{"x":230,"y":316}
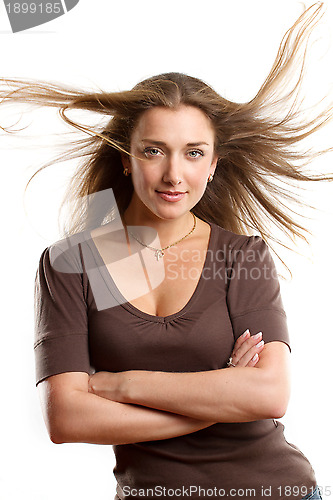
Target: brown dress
{"x":238,"y":289}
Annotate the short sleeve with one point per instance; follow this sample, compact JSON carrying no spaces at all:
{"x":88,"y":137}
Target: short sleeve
{"x":253,"y":292}
{"x":60,"y":315}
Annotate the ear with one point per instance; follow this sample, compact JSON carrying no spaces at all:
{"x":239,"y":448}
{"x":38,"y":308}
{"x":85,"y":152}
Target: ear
{"x":213,"y":165}
{"x":125,"y":160}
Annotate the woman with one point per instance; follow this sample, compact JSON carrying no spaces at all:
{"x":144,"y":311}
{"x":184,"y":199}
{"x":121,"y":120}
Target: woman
{"x":162,"y":331}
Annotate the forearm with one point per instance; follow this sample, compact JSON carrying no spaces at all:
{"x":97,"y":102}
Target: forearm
{"x":241,"y":394}
{"x":89,"y":418}
{"x":226,"y":395}
{"x":218,"y":395}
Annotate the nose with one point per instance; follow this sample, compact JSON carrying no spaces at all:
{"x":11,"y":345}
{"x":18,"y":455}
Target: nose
{"x":172,"y":171}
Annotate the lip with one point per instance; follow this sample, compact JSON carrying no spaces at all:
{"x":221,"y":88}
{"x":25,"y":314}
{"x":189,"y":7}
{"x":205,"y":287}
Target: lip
{"x":171,"y":196}
{"x":171,"y":192}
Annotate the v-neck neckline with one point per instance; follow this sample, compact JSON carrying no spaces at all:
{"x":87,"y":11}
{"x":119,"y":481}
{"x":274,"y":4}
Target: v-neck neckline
{"x":123,"y":302}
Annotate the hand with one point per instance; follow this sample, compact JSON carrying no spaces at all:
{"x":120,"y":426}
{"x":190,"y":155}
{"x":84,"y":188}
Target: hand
{"x":246,"y":349}
{"x":106,"y":385}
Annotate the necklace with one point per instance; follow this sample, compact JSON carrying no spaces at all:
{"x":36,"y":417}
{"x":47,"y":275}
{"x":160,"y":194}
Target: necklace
{"x":159,"y":251}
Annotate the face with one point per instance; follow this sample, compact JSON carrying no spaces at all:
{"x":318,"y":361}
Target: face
{"x":174,"y":150}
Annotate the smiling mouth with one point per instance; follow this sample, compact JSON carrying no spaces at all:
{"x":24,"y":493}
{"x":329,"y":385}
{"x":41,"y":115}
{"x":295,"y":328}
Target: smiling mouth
{"x":171,"y":192}
{"x":171,"y":196}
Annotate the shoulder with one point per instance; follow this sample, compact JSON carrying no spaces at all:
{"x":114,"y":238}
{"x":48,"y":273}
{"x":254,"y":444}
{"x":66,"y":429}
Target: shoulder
{"x":235,"y":239}
{"x":238,"y":247}
{"x":64,"y":255}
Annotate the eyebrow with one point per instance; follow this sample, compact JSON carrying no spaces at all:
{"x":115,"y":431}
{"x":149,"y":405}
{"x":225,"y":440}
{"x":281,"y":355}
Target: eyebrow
{"x":161,"y":143}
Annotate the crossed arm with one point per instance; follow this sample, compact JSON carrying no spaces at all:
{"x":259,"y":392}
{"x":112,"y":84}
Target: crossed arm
{"x":135,"y":406}
{"x":227,"y":395}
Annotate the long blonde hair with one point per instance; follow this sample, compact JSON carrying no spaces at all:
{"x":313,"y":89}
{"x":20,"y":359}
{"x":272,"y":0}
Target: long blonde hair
{"x":255,"y":146}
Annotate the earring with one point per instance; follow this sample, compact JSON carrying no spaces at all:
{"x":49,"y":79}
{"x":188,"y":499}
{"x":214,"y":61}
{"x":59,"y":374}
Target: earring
{"x":210,"y":178}
{"x":126,"y":171}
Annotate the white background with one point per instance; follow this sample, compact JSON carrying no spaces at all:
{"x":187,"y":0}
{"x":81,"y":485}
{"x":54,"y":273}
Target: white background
{"x":113,"y":45}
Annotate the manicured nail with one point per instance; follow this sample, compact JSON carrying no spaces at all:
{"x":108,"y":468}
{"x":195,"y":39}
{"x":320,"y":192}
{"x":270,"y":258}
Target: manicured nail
{"x":255,"y":357}
{"x":246,"y":333}
{"x":260,"y":344}
{"x":257,"y":335}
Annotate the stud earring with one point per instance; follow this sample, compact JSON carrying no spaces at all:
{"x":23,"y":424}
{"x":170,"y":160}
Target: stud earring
{"x":126,"y":171}
{"x":210,"y":178}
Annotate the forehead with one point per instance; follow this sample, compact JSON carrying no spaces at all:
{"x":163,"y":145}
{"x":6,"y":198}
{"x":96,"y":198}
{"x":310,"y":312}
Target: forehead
{"x":186,"y":123}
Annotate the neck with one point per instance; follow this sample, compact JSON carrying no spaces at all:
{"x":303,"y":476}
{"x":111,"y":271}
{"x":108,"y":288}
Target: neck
{"x":168,"y":230}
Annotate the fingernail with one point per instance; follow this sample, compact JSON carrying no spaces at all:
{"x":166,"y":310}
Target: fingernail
{"x":260,"y":344}
{"x":255,"y":357}
{"x":246,"y":333}
{"x":257,"y":335}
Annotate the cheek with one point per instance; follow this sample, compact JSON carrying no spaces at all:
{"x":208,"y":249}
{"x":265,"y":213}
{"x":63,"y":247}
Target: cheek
{"x":199,"y":177}
{"x":143,"y":178}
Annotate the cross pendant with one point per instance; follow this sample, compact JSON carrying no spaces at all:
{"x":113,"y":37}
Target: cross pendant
{"x":159,"y":254}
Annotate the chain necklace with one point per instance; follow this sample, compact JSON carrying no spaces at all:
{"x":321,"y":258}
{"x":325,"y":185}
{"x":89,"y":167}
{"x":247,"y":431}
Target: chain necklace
{"x":159,"y":251}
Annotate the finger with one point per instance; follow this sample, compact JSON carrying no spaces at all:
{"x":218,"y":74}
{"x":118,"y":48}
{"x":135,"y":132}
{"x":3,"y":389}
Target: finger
{"x":241,"y":339}
{"x":250,"y":357}
{"x":247,"y":345}
{"x":254,"y":360}
{"x":256,"y":357}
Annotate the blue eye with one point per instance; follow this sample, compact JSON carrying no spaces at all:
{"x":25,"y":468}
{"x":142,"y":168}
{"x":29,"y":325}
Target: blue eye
{"x":197,"y":153}
{"x":151,"y":151}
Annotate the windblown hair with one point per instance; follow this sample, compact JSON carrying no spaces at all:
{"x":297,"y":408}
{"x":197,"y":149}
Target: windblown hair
{"x":255,"y":141}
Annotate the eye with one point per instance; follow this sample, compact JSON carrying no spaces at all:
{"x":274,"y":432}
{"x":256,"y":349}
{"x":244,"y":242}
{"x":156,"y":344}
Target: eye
{"x":196,"y":153}
{"x":151,"y":152}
